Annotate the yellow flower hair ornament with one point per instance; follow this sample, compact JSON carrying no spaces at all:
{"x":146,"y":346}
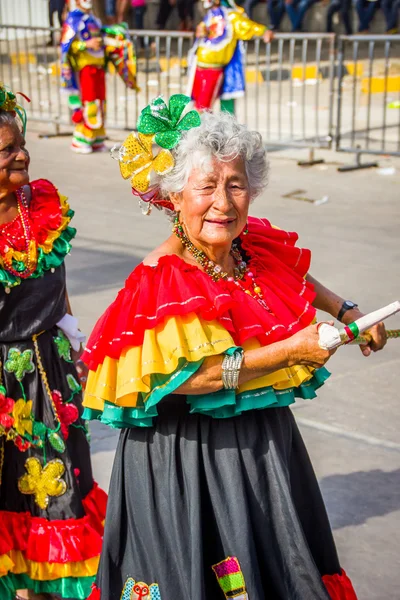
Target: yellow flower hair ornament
{"x":159,"y":126}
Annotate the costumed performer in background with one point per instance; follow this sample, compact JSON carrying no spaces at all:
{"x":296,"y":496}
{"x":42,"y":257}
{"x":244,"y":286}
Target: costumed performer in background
{"x":85,"y":51}
{"x":212,"y":493}
{"x":51,"y":510}
{"x":216,"y":59}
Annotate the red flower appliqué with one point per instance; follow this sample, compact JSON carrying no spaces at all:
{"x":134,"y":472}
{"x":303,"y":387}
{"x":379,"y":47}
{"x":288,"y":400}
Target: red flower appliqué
{"x":6,"y":408}
{"x":21,"y":444}
{"x":67,"y":412}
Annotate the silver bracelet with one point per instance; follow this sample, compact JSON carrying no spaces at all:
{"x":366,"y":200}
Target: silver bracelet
{"x":231,"y":369}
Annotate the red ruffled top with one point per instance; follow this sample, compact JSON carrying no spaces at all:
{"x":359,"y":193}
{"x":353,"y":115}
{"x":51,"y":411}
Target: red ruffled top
{"x":45,"y":215}
{"x":173,"y":287}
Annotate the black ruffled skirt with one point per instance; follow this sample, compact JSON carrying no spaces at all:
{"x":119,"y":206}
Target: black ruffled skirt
{"x":203,"y":508}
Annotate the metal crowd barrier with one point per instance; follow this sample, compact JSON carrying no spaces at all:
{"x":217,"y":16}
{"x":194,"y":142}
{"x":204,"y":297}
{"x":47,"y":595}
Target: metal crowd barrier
{"x":368,"y":107}
{"x":289,"y":96}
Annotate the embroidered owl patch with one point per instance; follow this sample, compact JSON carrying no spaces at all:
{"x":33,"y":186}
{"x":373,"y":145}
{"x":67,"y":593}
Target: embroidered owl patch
{"x":138,"y":590}
{"x":230,"y":578}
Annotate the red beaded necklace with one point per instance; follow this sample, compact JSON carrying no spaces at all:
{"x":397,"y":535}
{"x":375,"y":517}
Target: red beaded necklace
{"x":241,"y":271}
{"x":30,"y":262}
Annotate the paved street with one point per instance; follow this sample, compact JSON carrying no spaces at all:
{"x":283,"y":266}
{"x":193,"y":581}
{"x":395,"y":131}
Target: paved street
{"x":352,"y":429}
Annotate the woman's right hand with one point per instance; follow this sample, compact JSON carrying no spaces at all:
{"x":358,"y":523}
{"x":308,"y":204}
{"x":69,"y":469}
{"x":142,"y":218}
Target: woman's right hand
{"x":94,"y":43}
{"x":304,"y":349}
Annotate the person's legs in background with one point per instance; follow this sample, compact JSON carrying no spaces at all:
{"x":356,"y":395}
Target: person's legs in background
{"x":303,"y":7}
{"x":51,"y":21}
{"x":248,"y":7}
{"x":346,"y":12}
{"x":186,"y":15}
{"x":110,"y":11}
{"x":164,"y":11}
{"x":333,"y":8}
{"x":390,"y":9}
{"x":139,"y":16}
{"x":366,"y":10}
{"x":276,"y":10}
{"x":291,"y":9}
{"x":122,"y":10}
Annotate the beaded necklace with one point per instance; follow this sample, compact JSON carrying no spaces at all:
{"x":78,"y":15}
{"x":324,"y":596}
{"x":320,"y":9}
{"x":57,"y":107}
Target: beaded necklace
{"x":240,"y":271}
{"x":30,"y":253}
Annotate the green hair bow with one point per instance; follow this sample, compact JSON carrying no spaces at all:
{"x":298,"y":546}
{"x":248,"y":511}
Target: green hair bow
{"x":165,"y":122}
{"x":8,"y":102}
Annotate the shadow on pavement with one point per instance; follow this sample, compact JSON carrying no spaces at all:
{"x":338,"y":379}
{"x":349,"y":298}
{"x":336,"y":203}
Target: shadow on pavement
{"x":92,"y":270}
{"x":354,"y":498}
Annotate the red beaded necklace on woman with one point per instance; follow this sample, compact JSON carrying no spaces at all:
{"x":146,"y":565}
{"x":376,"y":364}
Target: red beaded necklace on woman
{"x":30,"y":262}
{"x":240,"y":271}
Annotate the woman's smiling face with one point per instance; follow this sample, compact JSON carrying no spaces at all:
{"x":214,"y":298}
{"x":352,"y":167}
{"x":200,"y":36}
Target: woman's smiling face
{"x":214,"y":204}
{"x":14,"y":159}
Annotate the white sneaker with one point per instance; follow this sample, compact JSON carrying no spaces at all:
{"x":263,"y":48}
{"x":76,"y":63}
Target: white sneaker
{"x":81,"y":149}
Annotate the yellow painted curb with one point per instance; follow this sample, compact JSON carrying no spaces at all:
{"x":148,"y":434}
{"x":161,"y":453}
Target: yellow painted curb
{"x":376,"y":85}
{"x":309,"y":72}
{"x":54,"y":69}
{"x":356,"y":69}
{"x":22,"y":58}
{"x":253,"y":76}
{"x":166,"y":64}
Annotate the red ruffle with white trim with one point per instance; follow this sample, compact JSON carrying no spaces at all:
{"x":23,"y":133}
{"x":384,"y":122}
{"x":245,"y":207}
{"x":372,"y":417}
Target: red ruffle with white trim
{"x":339,"y":587}
{"x":58,"y":541}
{"x":173,"y":287}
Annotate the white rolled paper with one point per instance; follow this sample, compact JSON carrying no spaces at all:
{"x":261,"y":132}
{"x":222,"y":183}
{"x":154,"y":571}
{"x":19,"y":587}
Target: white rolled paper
{"x":330,"y":337}
{"x":364,"y":323}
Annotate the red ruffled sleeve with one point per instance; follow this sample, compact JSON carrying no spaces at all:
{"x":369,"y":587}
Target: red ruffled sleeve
{"x":45,"y":209}
{"x":152,"y":294}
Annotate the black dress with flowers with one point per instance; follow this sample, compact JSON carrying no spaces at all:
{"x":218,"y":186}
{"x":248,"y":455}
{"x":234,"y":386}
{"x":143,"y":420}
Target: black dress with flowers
{"x":51,"y":511}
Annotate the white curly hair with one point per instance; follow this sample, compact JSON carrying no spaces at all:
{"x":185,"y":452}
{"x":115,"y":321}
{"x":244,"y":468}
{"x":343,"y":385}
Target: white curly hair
{"x":219,"y":136}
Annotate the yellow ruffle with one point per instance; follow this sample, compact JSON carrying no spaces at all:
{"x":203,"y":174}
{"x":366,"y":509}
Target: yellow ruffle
{"x":6,"y":564}
{"x":15,"y":562}
{"x":120,"y":381}
{"x":47,"y":246}
{"x":188,"y":337}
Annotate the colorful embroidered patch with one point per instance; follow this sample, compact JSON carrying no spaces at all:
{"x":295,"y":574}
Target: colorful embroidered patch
{"x":138,"y":590}
{"x":230,"y":578}
{"x":19,"y":362}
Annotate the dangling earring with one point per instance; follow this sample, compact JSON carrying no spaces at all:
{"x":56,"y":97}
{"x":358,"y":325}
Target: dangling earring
{"x":246,"y":229}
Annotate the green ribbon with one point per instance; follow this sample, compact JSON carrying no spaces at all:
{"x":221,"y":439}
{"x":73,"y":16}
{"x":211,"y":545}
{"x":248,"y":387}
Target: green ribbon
{"x":165,"y":122}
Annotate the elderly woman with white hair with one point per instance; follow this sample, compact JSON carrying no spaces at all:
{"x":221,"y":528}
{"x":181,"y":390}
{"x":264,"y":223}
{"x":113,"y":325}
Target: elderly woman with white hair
{"x":197,"y":360}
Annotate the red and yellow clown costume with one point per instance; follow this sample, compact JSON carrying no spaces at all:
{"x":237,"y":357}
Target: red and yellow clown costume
{"x":217,"y":70}
{"x":83,"y":76}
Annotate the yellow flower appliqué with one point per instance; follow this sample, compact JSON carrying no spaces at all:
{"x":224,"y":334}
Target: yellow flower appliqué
{"x":43,"y":482}
{"x":22,"y":413}
{"x":136,"y":160}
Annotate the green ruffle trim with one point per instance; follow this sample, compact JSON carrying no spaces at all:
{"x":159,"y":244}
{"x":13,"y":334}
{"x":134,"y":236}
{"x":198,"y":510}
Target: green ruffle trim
{"x":52,"y":260}
{"x":142,"y":416}
{"x":226,"y":403}
{"x":78,"y":588}
{"x":219,"y":405}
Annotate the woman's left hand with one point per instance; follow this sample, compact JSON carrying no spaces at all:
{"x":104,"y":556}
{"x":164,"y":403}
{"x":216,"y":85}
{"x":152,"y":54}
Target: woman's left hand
{"x":376,"y":333}
{"x":268,"y":36}
{"x":378,"y":339}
